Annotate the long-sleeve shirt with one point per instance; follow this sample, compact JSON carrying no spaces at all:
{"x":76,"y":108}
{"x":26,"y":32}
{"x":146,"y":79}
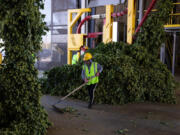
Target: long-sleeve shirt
{"x":99,"y":69}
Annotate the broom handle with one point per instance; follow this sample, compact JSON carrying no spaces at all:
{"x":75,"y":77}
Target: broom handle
{"x":73,"y":91}
{"x":63,"y":98}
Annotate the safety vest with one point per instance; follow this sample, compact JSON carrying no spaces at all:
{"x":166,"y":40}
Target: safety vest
{"x":75,"y":58}
{"x":34,"y":57}
{"x":92,"y":73}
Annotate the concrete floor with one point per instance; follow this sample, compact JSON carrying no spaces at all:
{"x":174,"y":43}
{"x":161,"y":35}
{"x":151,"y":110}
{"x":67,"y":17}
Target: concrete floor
{"x":130,"y":119}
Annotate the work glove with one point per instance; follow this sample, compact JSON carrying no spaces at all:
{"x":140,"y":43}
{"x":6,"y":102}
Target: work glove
{"x":86,"y":80}
{"x":97,"y":74}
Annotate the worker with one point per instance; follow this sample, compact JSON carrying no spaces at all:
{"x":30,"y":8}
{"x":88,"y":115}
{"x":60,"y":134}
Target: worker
{"x":76,"y":57}
{"x":90,"y":74}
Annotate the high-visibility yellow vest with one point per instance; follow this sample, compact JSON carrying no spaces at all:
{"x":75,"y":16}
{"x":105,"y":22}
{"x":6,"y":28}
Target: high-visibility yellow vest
{"x":92,"y":73}
{"x":75,"y":58}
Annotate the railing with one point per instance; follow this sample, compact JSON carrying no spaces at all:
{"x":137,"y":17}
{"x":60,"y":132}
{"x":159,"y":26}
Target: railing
{"x":172,"y":21}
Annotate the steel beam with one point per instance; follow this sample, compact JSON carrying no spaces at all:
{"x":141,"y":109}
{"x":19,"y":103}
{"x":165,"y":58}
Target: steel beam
{"x":131,"y":19}
{"x":174,"y":54}
{"x":107,"y":29}
{"x":162,"y":53}
{"x":141,"y":8}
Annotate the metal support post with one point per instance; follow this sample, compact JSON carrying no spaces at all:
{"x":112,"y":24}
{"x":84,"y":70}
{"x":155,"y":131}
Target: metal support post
{"x":174,"y":53}
{"x":141,"y":3}
{"x":51,"y":25}
{"x":107,"y":29}
{"x":83,"y":5}
{"x":131,"y":19}
{"x":162,"y":53}
{"x":115,"y":32}
{"x":91,"y":27}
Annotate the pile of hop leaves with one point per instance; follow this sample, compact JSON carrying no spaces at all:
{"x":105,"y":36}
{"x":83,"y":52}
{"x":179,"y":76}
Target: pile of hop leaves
{"x":61,"y":80}
{"x":21,"y":29}
{"x":132,"y":73}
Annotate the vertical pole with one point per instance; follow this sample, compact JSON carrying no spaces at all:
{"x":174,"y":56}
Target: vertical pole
{"x":87,"y":23}
{"x":162,"y":53}
{"x":131,"y":18}
{"x":92,"y":27}
{"x":69,"y":57}
{"x":125,"y":33}
{"x":83,"y":5}
{"x":69,"y":33}
{"x":51,"y":25}
{"x":69,"y":22}
{"x":115,"y":32}
{"x":174,"y":53}
{"x":141,"y":3}
{"x":107,"y":29}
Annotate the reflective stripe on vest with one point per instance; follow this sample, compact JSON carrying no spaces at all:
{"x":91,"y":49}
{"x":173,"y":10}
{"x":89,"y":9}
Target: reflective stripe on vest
{"x":91,"y":73}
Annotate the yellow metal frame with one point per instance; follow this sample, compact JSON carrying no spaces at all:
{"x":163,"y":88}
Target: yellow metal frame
{"x":170,"y":24}
{"x":131,"y":20}
{"x":74,"y":40}
{"x":77,"y":40}
{"x":107,"y":28}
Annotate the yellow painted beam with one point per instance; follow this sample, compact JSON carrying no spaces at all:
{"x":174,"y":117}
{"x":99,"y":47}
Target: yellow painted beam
{"x":76,"y":19}
{"x":175,"y":14}
{"x":79,"y":10}
{"x":131,"y":18}
{"x":153,"y":10}
{"x":69,"y":56}
{"x":71,"y":21}
{"x":172,"y":25}
{"x":107,"y":28}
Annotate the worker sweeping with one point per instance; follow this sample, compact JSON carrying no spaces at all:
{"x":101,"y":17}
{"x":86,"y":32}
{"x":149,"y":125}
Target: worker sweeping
{"x":80,"y":53}
{"x":90,"y":74}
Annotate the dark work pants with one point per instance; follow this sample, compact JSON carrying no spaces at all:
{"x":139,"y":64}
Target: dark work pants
{"x":91,"y":89}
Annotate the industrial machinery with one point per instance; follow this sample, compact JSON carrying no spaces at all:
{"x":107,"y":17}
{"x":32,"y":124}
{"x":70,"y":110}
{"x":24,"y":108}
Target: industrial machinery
{"x":75,"y":40}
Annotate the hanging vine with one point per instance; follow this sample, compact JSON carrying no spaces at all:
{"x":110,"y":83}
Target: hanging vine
{"x":21,"y":29}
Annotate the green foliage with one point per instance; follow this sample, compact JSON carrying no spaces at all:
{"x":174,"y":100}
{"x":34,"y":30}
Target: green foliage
{"x":60,"y":79}
{"x":21,"y":28}
{"x":132,"y":73}
{"x":68,"y":109}
{"x":153,"y":34}
{"x":122,"y":131}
